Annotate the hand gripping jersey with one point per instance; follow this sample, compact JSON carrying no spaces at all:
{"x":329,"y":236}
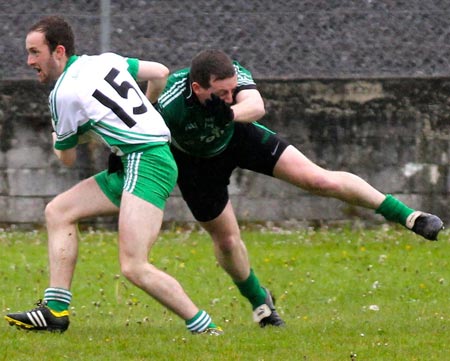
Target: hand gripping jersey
{"x":98,"y":96}
{"x":193,"y":130}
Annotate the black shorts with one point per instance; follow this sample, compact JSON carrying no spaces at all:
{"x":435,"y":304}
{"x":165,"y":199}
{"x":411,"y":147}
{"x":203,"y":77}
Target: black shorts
{"x":203,"y":182}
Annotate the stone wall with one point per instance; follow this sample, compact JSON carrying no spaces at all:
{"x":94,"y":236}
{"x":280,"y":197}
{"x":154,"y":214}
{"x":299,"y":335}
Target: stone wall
{"x":395,"y":133}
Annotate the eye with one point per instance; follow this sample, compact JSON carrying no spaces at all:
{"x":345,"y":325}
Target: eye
{"x":222,"y":93}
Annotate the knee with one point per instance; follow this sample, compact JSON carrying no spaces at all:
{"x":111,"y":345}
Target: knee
{"x":128,"y":269}
{"x":227,"y":243}
{"x":58,"y":212}
{"x":322,"y":183}
{"x":131,"y":269}
{"x":52,"y":212}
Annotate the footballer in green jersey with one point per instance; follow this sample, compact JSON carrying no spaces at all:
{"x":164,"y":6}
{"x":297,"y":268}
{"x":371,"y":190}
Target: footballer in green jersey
{"x":194,"y":129}
{"x":212,"y":109}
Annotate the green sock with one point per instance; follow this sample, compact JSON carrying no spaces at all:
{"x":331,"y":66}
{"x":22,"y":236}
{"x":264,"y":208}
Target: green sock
{"x":57,"y":306}
{"x":57,"y":299}
{"x":394,"y":210}
{"x":200,"y":322}
{"x":252,"y":290}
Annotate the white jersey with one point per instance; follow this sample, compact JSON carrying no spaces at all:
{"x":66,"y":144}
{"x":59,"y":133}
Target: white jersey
{"x":98,"y":96}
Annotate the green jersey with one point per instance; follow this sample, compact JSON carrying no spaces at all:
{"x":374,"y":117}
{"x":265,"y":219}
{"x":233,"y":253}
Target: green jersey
{"x":193,"y":130}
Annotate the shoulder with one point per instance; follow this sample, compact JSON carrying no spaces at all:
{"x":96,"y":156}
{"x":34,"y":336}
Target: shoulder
{"x":178,"y":76}
{"x":175,"y":88}
{"x":66,"y":87}
{"x":110,"y":57}
{"x":104,"y":61}
{"x":239,"y":67}
{"x":244,"y":76}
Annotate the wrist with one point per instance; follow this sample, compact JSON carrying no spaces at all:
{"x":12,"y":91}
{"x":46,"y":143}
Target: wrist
{"x":232,"y":115}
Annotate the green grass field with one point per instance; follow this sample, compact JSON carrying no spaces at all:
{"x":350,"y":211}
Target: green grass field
{"x":378,"y":294}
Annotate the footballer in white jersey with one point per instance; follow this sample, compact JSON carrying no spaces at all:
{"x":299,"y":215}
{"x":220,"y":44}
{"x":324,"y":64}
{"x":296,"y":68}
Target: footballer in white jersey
{"x":98,"y":96}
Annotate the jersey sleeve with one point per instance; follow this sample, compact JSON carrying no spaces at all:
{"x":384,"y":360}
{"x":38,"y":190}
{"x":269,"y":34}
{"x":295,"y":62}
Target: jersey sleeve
{"x":171,"y":99}
{"x":244,"y":78}
{"x":133,"y":67}
{"x":70,"y":123}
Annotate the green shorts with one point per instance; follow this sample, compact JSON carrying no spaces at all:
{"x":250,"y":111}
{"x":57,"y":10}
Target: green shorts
{"x":150,"y":174}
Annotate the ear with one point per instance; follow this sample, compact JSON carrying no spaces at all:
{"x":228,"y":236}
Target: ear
{"x":60,"y":51}
{"x":196,"y":87}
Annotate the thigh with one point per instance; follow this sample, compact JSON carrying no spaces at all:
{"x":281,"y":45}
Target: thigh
{"x":295,"y":168}
{"x":85,"y":199}
{"x":139,"y":225}
{"x":111,"y":185}
{"x":224,"y":226}
{"x":150,"y":175}
{"x":203,"y":183}
{"x":257,"y":148}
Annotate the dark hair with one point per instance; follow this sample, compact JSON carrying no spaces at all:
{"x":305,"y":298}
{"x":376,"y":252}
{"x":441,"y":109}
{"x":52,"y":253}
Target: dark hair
{"x":211,"y":63}
{"x":57,"y":31}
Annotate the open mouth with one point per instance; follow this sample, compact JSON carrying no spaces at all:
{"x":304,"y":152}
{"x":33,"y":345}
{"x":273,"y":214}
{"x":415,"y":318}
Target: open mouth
{"x":38,"y":70}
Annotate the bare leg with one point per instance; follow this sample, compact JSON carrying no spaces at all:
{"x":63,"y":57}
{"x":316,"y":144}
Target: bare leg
{"x":229,"y":249}
{"x":62,"y":215}
{"x":139,"y":225}
{"x":232,"y":256}
{"x":295,"y":168}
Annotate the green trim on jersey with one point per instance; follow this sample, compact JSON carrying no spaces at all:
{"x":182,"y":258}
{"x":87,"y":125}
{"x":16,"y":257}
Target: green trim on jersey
{"x":193,"y":130}
{"x":72,"y":140}
{"x":119,"y":140}
{"x":52,"y":97}
{"x":133,"y":67}
{"x":90,"y":97}
{"x":121,"y":137}
{"x":70,"y":61}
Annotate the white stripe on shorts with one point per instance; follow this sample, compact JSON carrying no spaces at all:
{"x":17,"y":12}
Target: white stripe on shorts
{"x":132,"y":171}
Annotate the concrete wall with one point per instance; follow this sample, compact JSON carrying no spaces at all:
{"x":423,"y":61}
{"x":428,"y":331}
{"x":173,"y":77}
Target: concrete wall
{"x":395,"y":133}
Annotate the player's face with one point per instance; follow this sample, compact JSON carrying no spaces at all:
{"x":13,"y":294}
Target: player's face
{"x":223,"y":88}
{"x":40,"y":58}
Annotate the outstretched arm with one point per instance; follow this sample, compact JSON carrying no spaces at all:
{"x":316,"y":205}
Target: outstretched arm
{"x":156,"y":75}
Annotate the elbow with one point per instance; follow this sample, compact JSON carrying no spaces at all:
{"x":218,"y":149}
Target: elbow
{"x":260,"y":110}
{"x":68,"y":162}
{"x":164,"y":72}
{"x":152,"y":71}
{"x":67,"y":158}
